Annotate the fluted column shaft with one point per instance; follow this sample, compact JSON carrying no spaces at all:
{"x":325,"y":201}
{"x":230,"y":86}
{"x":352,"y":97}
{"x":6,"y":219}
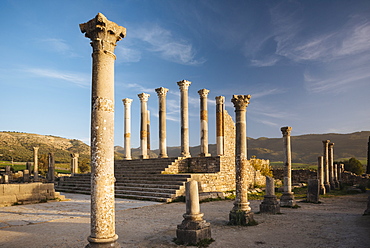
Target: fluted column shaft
{"x":144,"y":125}
{"x":35,"y":164}
{"x":127,"y":128}
{"x":220,"y":101}
{"x":184,"y":85}
{"x":288,"y":159}
{"x":104,"y":35}
{"x":203,"y":93}
{"x":162,"y":93}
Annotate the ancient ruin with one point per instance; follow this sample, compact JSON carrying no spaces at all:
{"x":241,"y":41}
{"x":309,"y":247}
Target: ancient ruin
{"x":103,"y":35}
{"x":184,"y":86}
{"x":326,"y":165}
{"x":162,"y":92}
{"x":320,"y":175}
{"x":127,"y":128}
{"x":270,"y":204}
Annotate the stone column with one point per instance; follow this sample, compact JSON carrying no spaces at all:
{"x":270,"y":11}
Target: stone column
{"x":203,"y":93}
{"x":270,"y":205}
{"x":74,"y":163}
{"x":313,"y":190}
{"x":104,"y":35}
{"x":368,"y":157}
{"x":35,"y":164}
{"x":220,"y":129}
{"x":144,"y":125}
{"x":184,"y":85}
{"x":193,"y":228}
{"x":287,"y":199}
{"x":331,"y":165}
{"x":241,"y":213}
{"x":336,"y":182}
{"x":326,"y":165}
{"x":162,"y":93}
{"x":148,"y":131}
{"x":51,"y":167}
{"x":26,"y":176}
{"x":340,"y":171}
{"x":320,"y":174}
{"x":127,"y":132}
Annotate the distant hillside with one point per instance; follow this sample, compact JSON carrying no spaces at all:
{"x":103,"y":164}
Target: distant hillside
{"x":305,"y":148}
{"x":20,"y":146}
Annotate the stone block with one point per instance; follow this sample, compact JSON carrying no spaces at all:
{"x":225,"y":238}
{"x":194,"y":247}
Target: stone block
{"x":6,"y":200}
{"x":313,"y":190}
{"x":270,"y":205}
{"x":28,"y":188}
{"x":11,"y":189}
{"x":191,"y":232}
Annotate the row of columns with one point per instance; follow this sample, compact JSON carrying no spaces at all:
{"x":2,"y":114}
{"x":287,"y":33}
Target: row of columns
{"x":185,"y":148}
{"x":329,"y":173}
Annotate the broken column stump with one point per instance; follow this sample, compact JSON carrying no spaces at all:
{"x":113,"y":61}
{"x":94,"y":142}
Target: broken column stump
{"x":270,"y":205}
{"x":313,"y":190}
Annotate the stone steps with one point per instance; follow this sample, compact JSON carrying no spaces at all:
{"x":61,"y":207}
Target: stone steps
{"x":135,"y":179}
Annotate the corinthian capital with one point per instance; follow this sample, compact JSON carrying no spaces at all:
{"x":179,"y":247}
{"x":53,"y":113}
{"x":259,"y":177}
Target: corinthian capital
{"x":161,"y":92}
{"x":286,"y":131}
{"x":127,"y":101}
{"x":184,"y":84}
{"x":143,"y":97}
{"x":203,"y":93}
{"x":103,"y":33}
{"x":220,"y":99}
{"x":240,"y":101}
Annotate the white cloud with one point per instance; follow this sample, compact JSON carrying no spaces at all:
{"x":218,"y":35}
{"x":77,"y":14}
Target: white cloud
{"x":139,"y":88}
{"x":58,"y":45}
{"x":164,"y":43}
{"x":127,"y":54}
{"x":264,"y":62}
{"x":76,"y":78}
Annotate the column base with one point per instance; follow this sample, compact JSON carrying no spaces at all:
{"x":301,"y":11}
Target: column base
{"x":337,"y":184}
{"x":270,"y":205}
{"x":287,"y":200}
{"x":127,"y":158}
{"x":163,"y":156}
{"x":332,"y":185}
{"x":185,"y":155}
{"x":327,"y":187}
{"x":191,"y":232}
{"x":103,"y":243}
{"x":241,"y":218}
{"x":204,"y":155}
{"x":144,"y":156}
{"x":322,"y":189}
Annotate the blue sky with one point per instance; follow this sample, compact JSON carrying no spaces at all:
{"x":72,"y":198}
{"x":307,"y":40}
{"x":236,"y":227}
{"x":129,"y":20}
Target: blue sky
{"x":305,"y":63}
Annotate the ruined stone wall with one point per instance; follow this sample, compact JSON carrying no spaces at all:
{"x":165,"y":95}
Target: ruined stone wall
{"x":26,"y":193}
{"x":229,"y":135}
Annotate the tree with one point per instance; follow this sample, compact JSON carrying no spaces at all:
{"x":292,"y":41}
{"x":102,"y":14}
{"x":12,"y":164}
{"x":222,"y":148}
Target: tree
{"x":353,"y":165}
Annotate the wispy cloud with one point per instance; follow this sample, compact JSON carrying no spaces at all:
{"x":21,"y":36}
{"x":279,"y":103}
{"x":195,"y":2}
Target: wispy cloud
{"x":58,"y":45}
{"x":76,"y":78}
{"x":264,"y":62}
{"x":169,"y":47}
{"x":139,"y":88}
{"x":127,"y":54}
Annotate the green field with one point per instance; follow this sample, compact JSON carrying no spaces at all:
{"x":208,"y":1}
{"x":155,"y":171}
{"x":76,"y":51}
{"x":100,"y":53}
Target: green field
{"x":296,"y":166}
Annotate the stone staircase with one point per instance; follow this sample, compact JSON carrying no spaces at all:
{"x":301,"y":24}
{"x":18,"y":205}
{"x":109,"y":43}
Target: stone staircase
{"x":136,"y":179}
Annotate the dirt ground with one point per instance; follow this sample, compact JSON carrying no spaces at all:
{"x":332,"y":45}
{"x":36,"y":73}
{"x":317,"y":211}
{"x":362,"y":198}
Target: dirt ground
{"x":336,"y":222}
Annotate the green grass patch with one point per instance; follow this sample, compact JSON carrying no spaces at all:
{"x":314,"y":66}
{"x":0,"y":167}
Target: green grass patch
{"x":295,"y":166}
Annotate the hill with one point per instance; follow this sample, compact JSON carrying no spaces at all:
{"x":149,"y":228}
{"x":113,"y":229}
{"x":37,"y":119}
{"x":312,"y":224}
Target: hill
{"x":305,"y":148}
{"x":20,"y":147}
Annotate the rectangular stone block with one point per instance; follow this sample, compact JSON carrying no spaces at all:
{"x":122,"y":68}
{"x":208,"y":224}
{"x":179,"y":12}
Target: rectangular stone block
{"x":7,"y":199}
{"x":28,"y":188}
{"x":313,"y":190}
{"x":11,"y":189}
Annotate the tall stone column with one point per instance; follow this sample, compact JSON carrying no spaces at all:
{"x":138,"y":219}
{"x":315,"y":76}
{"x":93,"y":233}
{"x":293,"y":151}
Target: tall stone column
{"x":203,"y":93}
{"x":144,"y":125}
{"x":184,"y":85}
{"x":104,"y":35}
{"x":331,"y":165}
{"x":74,"y":163}
{"x":320,"y":174}
{"x":326,"y":165}
{"x":35,"y":164}
{"x":51,"y":168}
{"x":148,"y":131}
{"x":127,"y":129}
{"x":368,"y":157}
{"x":162,"y":93}
{"x":241,"y":213}
{"x":220,"y":129}
{"x":287,"y":199}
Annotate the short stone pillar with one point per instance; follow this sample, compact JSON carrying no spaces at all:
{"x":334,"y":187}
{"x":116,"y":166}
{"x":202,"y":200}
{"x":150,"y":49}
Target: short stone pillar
{"x":220,"y":129}
{"x":326,"y":165}
{"x":51,"y":168}
{"x":336,"y":181}
{"x":144,"y":125}
{"x":6,"y":179}
{"x":320,"y":174}
{"x":162,"y":93}
{"x":331,"y":165}
{"x":104,"y":35}
{"x":340,"y":171}
{"x":193,"y":228}
{"x":127,"y":128}
{"x":367,"y":211}
{"x":35,"y":164}
{"x":184,"y":86}
{"x":7,"y":170}
{"x":26,"y":176}
{"x":241,"y":213}
{"x":203,"y":93}
{"x":29,"y":166}
{"x":74,"y":163}
{"x":270,"y":205}
{"x":287,"y":199}
{"x":313,"y":190}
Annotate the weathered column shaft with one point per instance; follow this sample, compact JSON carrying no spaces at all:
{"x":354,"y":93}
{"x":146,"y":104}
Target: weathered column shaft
{"x":127,"y":128}
{"x":144,"y":125}
{"x":326,"y":164}
{"x":220,"y":129}
{"x":162,"y":92}
{"x":288,"y":159}
{"x":51,"y":167}
{"x":184,"y":85}
{"x":148,"y":130}
{"x":203,"y":93}
{"x":74,"y":163}
{"x":103,"y":34}
{"x":192,"y":198}
{"x":331,"y":165}
{"x":368,"y":157}
{"x":320,"y":174}
{"x":35,"y":164}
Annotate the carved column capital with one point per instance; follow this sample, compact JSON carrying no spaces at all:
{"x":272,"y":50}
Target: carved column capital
{"x":161,"y":91}
{"x":220,"y":99}
{"x":240,"y":101}
{"x":127,"y":101}
{"x":286,"y":131}
{"x":203,"y":93}
{"x":331,"y":144}
{"x":36,"y":148}
{"x":103,"y":33}
{"x":184,"y":84}
{"x":143,"y":97}
{"x":75,"y":155}
{"x":326,"y":142}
